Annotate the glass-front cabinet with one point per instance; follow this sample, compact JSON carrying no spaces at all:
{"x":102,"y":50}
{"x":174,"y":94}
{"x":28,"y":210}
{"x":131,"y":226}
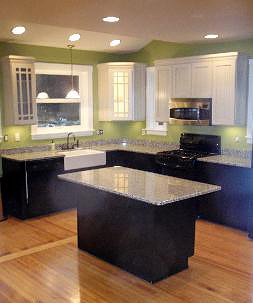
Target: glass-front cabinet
{"x":19,"y":90}
{"x":121,"y":91}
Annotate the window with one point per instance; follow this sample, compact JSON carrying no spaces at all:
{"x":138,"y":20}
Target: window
{"x":120,"y":94}
{"x":56,"y":115}
{"x":152,"y":127}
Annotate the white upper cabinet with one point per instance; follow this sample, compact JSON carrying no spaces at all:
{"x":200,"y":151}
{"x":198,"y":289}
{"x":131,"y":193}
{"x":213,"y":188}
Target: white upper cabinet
{"x":230,"y":85}
{"x":181,"y":80}
{"x":222,"y":77}
{"x":121,"y":91}
{"x":19,"y":90}
{"x":163,"y":84}
{"x":201,"y":76}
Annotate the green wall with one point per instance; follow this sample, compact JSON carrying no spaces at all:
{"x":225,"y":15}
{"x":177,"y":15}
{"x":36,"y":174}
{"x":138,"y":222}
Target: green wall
{"x":154,"y":50}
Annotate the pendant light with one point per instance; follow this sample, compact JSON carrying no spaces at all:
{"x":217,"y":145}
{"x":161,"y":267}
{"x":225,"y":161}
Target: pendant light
{"x":72,"y":94}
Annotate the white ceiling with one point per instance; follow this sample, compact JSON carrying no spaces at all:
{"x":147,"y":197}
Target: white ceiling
{"x":49,"y":22}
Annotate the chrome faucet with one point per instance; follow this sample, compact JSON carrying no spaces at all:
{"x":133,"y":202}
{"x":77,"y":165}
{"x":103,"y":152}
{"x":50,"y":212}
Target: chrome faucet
{"x":69,"y":134}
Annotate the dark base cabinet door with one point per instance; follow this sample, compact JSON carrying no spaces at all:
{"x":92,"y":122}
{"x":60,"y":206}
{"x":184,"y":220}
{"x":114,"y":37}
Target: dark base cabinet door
{"x":230,"y":206}
{"x":46,"y":193}
{"x":134,"y":160}
{"x":13,"y":188}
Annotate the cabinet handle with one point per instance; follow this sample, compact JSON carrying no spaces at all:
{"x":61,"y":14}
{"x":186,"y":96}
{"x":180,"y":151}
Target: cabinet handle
{"x":26,"y":187}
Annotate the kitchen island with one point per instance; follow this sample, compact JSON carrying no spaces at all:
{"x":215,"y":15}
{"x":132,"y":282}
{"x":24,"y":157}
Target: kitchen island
{"x":140,"y":221}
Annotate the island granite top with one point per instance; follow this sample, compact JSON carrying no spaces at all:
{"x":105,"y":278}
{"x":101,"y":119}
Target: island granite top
{"x":140,"y":185}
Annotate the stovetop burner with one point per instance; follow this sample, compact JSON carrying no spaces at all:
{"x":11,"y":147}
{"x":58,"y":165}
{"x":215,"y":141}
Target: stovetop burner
{"x":185,"y":153}
{"x":192,"y":146}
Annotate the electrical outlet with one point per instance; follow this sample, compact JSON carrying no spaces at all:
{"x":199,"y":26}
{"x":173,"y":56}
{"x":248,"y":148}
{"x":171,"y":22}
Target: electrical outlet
{"x":99,"y":132}
{"x":237,"y":139}
{"x":17,"y":137}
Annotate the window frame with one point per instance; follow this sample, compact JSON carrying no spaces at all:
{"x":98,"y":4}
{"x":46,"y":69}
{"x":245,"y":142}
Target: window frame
{"x":249,"y":135}
{"x":86,"y":101}
{"x":152,"y":127}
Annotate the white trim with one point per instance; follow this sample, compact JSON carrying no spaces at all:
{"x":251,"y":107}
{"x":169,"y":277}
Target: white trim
{"x":152,"y":127}
{"x":154,"y":132}
{"x":250,"y":105}
{"x":86,"y":101}
{"x":194,"y":58}
{"x":40,"y":136}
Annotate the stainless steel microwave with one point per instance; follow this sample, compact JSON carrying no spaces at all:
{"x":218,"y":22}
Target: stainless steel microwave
{"x":190,"y":111}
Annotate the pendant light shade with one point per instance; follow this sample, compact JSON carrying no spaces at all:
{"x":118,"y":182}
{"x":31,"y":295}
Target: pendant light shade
{"x":42,"y":95}
{"x":72,"y":94}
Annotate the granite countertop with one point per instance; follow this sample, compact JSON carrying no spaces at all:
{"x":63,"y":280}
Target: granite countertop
{"x":140,"y":185}
{"x":134,"y":148}
{"x":29,"y":156}
{"x":227,"y":160}
{"x":32,"y":155}
{"x":219,"y":159}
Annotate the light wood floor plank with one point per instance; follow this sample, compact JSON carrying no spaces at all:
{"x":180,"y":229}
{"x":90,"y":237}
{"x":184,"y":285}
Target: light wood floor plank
{"x":41,"y":263}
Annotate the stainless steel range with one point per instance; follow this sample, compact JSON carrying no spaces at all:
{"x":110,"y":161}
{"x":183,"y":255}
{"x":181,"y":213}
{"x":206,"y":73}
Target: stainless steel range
{"x":192,"y":146}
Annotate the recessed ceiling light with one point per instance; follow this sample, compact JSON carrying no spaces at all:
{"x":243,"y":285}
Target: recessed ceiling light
{"x":111,"y":19}
{"x":74,"y":37}
{"x":18,"y":30}
{"x":115,"y":42}
{"x":211,"y":36}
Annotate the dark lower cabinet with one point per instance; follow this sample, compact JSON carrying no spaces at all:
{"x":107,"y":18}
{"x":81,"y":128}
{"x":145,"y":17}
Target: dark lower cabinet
{"x":232,"y":206}
{"x":134,"y":160}
{"x":32,"y":188}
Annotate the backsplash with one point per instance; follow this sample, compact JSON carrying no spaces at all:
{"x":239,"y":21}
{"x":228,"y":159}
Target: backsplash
{"x":244,"y":154}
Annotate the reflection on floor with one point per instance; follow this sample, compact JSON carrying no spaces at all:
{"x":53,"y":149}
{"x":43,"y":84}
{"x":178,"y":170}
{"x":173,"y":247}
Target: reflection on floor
{"x":40,"y":263}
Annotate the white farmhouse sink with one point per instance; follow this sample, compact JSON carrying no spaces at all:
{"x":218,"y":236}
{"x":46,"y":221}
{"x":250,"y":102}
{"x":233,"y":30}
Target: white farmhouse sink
{"x":83,"y":158}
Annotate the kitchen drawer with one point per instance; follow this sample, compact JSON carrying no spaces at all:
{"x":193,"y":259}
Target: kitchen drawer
{"x":45,"y":164}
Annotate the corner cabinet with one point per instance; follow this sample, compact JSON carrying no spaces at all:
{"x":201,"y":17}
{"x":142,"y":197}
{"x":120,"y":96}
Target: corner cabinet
{"x":230,"y":90}
{"x":222,"y":77}
{"x":19,"y":90}
{"x":121,"y":91}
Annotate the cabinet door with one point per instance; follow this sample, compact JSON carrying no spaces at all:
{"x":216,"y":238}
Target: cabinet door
{"x":163,"y":83}
{"x":24,"y":93}
{"x":182,"y":81}
{"x":202,"y":79}
{"x":223,"y":102}
{"x":121,"y":94}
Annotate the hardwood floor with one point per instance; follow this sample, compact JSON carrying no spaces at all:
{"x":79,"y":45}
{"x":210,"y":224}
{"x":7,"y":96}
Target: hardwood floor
{"x":40,"y":263}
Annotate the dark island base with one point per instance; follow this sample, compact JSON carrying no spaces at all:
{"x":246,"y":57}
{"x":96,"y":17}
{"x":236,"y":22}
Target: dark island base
{"x":151,"y":242}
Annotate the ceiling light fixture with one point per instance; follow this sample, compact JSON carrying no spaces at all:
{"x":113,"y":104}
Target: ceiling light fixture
{"x":72,"y":94}
{"x":18,"y":30}
{"x":42,"y":95}
{"x":111,"y":19}
{"x":115,"y":42}
{"x":211,"y":36}
{"x":74,"y":37}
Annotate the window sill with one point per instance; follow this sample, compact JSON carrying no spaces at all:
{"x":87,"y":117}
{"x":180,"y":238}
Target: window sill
{"x":155,"y":132}
{"x":63,"y":134}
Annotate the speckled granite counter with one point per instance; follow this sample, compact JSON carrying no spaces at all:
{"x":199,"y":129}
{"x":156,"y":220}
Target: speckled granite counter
{"x":220,"y":159}
{"x":32,"y":156}
{"x":133,"y":148}
{"x":29,"y":156}
{"x":227,"y":160}
{"x":140,"y":185}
